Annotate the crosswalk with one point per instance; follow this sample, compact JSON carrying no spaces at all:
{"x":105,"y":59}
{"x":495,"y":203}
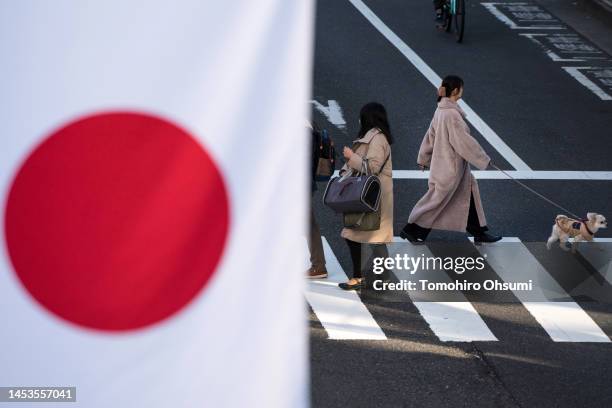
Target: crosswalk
{"x":341,"y":312}
{"x":450,"y":321}
{"x":346,"y":317}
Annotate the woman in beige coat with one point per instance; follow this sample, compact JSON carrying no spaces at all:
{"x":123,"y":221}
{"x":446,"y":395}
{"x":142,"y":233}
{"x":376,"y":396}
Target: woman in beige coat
{"x":373,"y":144}
{"x":452,"y":201}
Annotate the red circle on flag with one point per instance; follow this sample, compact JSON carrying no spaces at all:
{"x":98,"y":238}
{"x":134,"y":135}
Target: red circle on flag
{"x":117,"y":221}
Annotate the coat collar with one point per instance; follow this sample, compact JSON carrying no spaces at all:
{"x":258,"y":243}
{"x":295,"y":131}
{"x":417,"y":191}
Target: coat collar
{"x":447,"y":103}
{"x":367,"y":138}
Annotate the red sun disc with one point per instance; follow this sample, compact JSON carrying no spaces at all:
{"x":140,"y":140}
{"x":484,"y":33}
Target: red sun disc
{"x":117,"y":220}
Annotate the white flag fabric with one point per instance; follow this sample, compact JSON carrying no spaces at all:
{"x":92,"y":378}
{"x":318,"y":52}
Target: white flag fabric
{"x":153,"y":176}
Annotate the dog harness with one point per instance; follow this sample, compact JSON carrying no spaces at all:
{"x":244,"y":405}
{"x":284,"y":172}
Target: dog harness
{"x":577,"y":228}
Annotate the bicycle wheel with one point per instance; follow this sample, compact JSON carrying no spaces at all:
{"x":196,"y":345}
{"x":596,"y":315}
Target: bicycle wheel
{"x":447,"y":15}
{"x":459,"y":19}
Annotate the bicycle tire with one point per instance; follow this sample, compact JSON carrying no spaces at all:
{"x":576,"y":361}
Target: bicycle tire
{"x":459,"y":18}
{"x":448,"y":16}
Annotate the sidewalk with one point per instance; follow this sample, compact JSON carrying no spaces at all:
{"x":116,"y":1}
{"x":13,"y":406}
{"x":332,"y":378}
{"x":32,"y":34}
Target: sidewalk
{"x":591,"y":18}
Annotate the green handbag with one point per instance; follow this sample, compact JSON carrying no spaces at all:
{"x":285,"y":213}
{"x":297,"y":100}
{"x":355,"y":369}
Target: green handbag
{"x":362,"y":221}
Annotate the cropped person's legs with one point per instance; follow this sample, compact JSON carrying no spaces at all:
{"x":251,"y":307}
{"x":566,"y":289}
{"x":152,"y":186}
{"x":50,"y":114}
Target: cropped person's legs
{"x":356,"y":282}
{"x":438,"y":9}
{"x":355,"y":250}
{"x":379,"y":251}
{"x":315,"y":246}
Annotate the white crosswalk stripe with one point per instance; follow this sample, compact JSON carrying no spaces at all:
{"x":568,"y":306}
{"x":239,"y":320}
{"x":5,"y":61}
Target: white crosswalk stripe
{"x":450,"y":321}
{"x":564,"y":321}
{"x":345,"y":316}
{"x":600,"y":256}
{"x":341,"y":312}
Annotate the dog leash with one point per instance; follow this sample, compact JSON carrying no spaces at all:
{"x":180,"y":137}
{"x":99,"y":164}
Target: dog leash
{"x":536,"y":193}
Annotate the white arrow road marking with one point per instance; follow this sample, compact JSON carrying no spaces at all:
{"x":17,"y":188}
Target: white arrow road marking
{"x":333,"y":112}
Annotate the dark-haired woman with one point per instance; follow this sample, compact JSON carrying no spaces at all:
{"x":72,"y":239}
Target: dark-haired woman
{"x":452,"y":201}
{"x":374,"y":146}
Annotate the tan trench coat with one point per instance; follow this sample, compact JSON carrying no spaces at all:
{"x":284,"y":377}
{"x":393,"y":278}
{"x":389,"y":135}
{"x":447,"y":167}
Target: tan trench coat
{"x":447,"y":148}
{"x":378,"y":149}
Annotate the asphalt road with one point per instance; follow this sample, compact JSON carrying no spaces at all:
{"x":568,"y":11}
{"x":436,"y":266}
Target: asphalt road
{"x":549,"y":119}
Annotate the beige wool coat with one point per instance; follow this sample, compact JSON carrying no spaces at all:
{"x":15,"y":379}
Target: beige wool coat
{"x":378,"y":149}
{"x":448,"y":149}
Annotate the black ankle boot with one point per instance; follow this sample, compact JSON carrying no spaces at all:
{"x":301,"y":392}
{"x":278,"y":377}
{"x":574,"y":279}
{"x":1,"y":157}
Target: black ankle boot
{"x":486,"y":237}
{"x":411,"y":233}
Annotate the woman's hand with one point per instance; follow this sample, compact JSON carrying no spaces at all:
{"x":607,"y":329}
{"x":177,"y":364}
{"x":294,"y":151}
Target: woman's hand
{"x":347,"y":152}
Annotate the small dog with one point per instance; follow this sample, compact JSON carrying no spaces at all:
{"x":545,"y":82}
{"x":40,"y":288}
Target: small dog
{"x":581,"y":230}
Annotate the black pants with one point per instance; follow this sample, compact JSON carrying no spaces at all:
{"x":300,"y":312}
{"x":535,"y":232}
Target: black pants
{"x":473,"y":225}
{"x":438,"y":4}
{"x":362,"y":267}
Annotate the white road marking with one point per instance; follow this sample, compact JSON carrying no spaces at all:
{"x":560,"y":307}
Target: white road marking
{"x":455,"y":321}
{"x":551,"y":54}
{"x":590,"y":85}
{"x":333,"y":112}
{"x":564,"y":321}
{"x":450,"y":321}
{"x":599,"y":255}
{"x":492,"y":7}
{"x":341,"y":312}
{"x":517,"y":174}
{"x":435,"y":80}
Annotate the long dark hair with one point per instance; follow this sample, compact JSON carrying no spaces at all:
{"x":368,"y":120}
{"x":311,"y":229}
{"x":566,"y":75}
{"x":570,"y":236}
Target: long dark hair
{"x":449,"y":84}
{"x":374,"y":115}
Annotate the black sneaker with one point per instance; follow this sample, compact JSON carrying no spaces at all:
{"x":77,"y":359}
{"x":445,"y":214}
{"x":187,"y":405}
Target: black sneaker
{"x":439,"y":16}
{"x":486,"y":238}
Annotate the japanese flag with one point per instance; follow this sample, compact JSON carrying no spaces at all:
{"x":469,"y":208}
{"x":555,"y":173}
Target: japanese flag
{"x":153,"y":179}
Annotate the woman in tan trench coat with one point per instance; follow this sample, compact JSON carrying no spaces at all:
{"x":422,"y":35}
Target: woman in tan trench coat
{"x":452,"y":201}
{"x":373,"y":144}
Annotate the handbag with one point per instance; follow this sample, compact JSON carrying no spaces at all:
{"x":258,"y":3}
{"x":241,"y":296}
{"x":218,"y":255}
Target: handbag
{"x":362,"y":221}
{"x":367,"y":220}
{"x":353,"y":194}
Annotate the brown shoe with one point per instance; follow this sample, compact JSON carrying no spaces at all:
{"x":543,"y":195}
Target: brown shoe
{"x":313,"y":273}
